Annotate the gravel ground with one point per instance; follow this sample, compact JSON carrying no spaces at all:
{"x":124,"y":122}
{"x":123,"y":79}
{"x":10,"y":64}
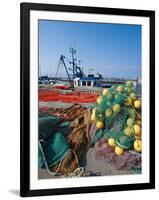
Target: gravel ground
{"x":92,"y":167}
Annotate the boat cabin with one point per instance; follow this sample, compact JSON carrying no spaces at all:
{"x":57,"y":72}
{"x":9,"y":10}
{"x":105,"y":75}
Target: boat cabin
{"x":87,"y":82}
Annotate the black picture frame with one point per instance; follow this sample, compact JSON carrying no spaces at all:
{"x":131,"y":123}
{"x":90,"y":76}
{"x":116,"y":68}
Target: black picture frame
{"x":25,"y":9}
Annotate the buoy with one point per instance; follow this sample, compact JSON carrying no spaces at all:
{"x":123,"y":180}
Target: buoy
{"x":99,"y":100}
{"x":105,"y":91}
{"x":108,"y":112}
{"x":120,"y":89}
{"x":117,"y":108}
{"x":111,"y":142}
{"x":137,"y":104}
{"x":137,"y":129}
{"x":99,"y":124}
{"x":119,"y":151}
{"x":138,"y":145}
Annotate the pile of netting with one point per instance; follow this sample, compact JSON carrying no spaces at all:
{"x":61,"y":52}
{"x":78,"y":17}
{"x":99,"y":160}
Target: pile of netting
{"x":46,"y":95}
{"x":117,"y":126}
{"x":65,"y":114}
{"x":63,"y":135}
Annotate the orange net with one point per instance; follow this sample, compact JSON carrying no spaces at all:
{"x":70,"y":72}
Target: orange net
{"x":73,"y":97}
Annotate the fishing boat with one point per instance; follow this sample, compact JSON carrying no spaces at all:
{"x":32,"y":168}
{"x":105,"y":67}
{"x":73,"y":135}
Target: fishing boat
{"x":76,"y":80}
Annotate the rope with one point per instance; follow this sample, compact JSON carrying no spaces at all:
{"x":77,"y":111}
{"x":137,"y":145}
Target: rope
{"x":46,"y":165}
{"x":75,"y":156}
{"x":77,"y":172}
{"x":136,"y":112}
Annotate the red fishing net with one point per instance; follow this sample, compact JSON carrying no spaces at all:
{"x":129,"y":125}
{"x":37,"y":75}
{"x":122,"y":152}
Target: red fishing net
{"x":73,"y":97}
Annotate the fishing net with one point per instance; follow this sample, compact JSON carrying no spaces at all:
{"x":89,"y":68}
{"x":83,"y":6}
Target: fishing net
{"x":47,"y":125}
{"x":54,"y":149}
{"x":52,"y":140}
{"x":46,"y":95}
{"x":97,"y":136}
{"x":117,"y":115}
{"x":64,"y":114}
{"x":54,"y":131}
{"x":127,"y":161}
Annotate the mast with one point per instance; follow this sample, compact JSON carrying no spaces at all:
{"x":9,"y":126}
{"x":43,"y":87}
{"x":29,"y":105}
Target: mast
{"x":76,"y":69}
{"x":73,"y":52}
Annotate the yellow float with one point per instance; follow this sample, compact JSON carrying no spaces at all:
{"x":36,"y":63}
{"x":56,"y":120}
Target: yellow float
{"x":108,"y":112}
{"x":99,"y":100}
{"x":111,"y":142}
{"x":137,"y":104}
{"x":105,"y":91}
{"x":138,"y":145}
{"x":128,"y":131}
{"x":120,"y":89}
{"x":119,"y":151}
{"x":137,"y":129}
{"x":99,"y":124}
{"x":117,"y":108}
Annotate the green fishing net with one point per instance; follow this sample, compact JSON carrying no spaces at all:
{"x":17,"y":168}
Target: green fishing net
{"x":117,"y":114}
{"x":97,"y":136}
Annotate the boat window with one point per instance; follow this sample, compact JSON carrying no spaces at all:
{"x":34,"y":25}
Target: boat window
{"x":78,"y":83}
{"x":83,"y":83}
{"x":94,"y":84}
{"x":74,"y":82}
{"x":88,"y":83}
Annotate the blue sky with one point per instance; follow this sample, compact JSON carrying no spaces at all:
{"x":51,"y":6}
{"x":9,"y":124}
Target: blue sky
{"x":113,"y":50}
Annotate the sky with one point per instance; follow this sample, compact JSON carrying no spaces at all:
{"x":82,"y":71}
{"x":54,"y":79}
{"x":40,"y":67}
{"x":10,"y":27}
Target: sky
{"x":114,"y":50}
